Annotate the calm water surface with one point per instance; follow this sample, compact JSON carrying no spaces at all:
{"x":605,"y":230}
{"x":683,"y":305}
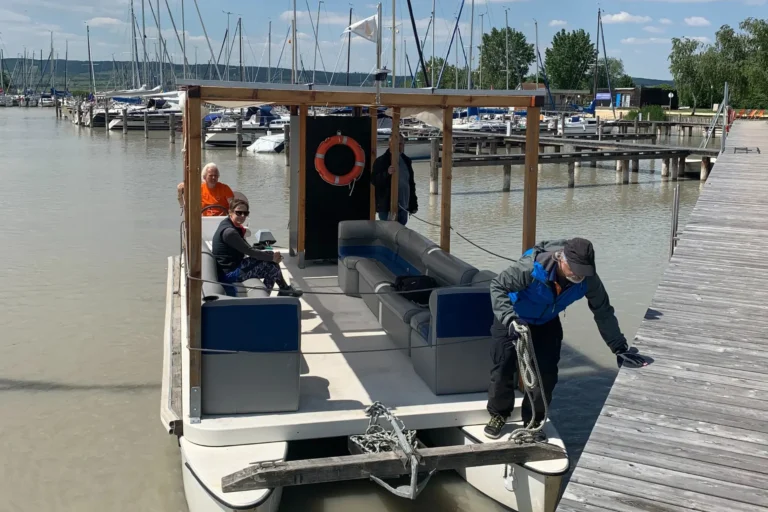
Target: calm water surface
{"x":89,"y":222}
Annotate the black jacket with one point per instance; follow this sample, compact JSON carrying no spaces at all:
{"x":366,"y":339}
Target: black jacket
{"x":229,"y":247}
{"x":383,"y":183}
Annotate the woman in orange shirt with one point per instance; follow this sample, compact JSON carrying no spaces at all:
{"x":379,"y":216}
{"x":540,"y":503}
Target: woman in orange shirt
{"x":212,"y":193}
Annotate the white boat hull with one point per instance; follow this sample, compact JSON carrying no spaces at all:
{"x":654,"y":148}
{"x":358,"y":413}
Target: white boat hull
{"x":229,"y":138}
{"x":532,"y":487}
{"x":202,"y":469}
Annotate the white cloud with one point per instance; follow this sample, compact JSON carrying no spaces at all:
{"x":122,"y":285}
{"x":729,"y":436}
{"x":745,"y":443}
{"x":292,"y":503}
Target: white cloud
{"x":327,"y":18}
{"x":558,"y":23}
{"x":665,"y":21}
{"x":648,"y":40}
{"x":12,"y":17}
{"x":625,"y":17}
{"x":697,"y":21}
{"x":700,"y":39}
{"x":105,"y":22}
{"x":653,"y":30}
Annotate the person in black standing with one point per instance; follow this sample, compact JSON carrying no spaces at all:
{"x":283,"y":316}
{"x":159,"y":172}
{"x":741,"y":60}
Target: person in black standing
{"x":406,"y":191}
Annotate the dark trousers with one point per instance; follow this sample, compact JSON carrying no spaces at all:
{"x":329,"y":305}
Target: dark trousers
{"x":547,"y":340}
{"x":402,"y":216}
{"x":267,"y":271}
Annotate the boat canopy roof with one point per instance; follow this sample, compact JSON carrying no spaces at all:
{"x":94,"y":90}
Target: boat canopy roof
{"x":240,"y":95}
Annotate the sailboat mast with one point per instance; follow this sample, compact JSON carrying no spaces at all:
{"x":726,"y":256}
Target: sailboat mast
{"x":293,"y":45}
{"x":597,"y":51}
{"x":240,"y":27}
{"x":394,"y":46}
{"x":434,"y":62}
{"x":144,"y":43}
{"x":160,"y":42}
{"x":53,"y":75}
{"x":90,"y":61}
{"x":183,"y":39}
{"x":471,"y":39}
{"x":269,"y":53}
{"x":349,"y":43}
{"x":133,"y":56}
{"x":66,"y":64}
{"x":537,"y":53}
{"x":317,"y":32}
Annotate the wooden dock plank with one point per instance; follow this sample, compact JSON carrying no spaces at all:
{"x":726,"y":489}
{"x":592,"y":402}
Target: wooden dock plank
{"x":690,"y":431}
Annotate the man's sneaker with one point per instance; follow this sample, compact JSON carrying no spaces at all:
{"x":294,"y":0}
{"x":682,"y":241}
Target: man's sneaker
{"x":291,"y":291}
{"x":494,"y":427}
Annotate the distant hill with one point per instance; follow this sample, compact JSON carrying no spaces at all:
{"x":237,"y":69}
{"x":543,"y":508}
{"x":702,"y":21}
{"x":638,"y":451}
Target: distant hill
{"x":112,"y":75}
{"x":650,"y":82}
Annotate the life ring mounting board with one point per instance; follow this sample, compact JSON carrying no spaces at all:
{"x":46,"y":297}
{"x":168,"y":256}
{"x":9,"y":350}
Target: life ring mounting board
{"x":353,"y":174}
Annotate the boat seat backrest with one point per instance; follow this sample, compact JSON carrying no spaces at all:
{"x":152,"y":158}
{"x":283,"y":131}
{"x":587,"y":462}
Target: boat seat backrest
{"x":412,"y":246}
{"x":447,"y":269}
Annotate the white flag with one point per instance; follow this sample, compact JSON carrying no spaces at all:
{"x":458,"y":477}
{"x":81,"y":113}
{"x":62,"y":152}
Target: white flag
{"x":366,"y":28}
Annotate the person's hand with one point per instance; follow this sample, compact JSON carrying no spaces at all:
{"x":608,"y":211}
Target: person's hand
{"x":277,"y":257}
{"x":630,"y":358}
{"x":512,"y":329}
{"x":391,"y":170}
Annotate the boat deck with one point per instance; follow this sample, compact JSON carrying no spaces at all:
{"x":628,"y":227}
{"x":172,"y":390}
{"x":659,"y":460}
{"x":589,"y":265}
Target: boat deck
{"x":690,"y":431}
{"x":339,"y":379}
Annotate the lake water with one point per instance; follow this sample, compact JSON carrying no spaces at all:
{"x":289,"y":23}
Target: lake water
{"x":89,"y":222}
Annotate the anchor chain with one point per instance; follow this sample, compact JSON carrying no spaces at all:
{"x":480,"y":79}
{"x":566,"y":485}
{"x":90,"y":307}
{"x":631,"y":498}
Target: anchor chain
{"x":377,"y":439}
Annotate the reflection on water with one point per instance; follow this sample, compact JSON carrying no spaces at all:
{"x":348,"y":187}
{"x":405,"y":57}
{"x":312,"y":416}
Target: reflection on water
{"x":89,"y":222}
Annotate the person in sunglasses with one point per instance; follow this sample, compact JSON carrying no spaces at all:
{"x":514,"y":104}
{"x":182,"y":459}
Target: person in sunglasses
{"x":532,"y":293}
{"x":238,"y":261}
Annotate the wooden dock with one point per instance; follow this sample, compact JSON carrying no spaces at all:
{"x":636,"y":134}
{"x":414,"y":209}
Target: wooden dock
{"x":690,"y":431}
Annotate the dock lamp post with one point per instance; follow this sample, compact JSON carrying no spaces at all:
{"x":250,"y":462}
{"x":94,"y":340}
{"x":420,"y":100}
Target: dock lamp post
{"x":670,"y":95}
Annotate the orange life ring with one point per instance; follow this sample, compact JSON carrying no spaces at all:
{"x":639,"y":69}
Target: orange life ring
{"x":353,"y":174}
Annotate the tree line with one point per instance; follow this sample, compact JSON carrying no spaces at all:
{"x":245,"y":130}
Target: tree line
{"x":569,"y":63}
{"x":737,"y":57}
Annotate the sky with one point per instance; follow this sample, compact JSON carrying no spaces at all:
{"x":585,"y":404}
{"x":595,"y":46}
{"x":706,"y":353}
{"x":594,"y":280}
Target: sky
{"x":636,"y":31}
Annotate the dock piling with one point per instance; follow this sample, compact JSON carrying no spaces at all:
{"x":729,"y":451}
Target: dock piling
{"x":571,"y":174}
{"x":239,"y":134}
{"x":172,"y":128}
{"x":90,"y":115}
{"x":625,"y":172}
{"x":287,"y":149}
{"x":434,"y":156}
{"x":507,"y":178}
{"x":599,"y":129}
{"x":674,"y":170}
{"x":705,"y":161}
{"x":106,"y":117}
{"x":125,"y":121}
{"x":681,"y":168}
{"x":635,"y":165}
{"x":146,"y":125}
{"x":479,"y":148}
{"x":665,"y":168}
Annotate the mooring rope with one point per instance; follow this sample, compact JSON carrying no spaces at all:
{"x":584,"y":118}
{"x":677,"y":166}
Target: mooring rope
{"x":531,"y":378}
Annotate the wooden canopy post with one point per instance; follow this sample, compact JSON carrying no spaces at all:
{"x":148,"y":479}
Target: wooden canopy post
{"x":302,"y":183}
{"x":374,"y":113}
{"x":531,"y":177}
{"x":194,"y":249}
{"x":447,"y":164}
{"x":394,"y":150}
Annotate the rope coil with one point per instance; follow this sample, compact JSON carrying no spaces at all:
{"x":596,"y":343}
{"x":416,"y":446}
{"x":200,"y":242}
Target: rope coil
{"x":531,"y":377}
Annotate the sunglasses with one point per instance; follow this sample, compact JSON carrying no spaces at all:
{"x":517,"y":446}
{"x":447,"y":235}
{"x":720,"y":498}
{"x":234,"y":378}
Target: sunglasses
{"x":241,"y":213}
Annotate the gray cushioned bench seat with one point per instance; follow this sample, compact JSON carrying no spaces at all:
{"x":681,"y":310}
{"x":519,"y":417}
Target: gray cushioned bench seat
{"x":449,"y":342}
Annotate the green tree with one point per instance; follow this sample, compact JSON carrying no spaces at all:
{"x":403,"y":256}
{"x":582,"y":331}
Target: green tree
{"x":493,"y":58}
{"x":569,"y":60}
{"x":449,"y":78}
{"x":5,"y":80}
{"x":685,"y":65}
{"x":625,"y":81}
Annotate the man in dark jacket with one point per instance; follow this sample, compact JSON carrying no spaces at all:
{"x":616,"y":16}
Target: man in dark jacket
{"x":532,"y":292}
{"x":406,"y":192}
